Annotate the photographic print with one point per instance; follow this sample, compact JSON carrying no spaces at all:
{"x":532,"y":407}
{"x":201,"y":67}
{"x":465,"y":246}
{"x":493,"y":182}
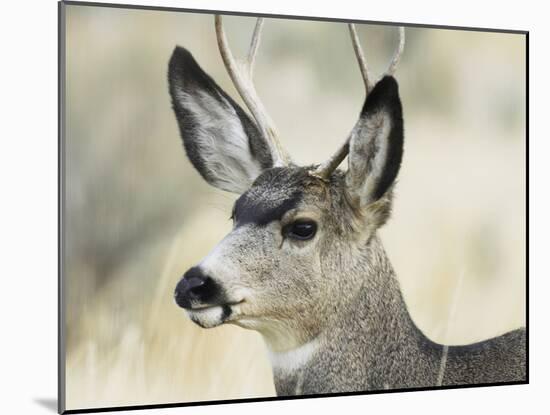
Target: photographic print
{"x":259,"y":207}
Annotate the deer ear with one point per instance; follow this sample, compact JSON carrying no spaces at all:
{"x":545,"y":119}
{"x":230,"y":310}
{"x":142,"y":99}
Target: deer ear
{"x":376,"y":145}
{"x":220,"y":139}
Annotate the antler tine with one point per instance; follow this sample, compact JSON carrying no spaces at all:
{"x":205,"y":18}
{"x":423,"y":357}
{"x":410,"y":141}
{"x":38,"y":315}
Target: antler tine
{"x":324,"y":170}
{"x":360,"y":57}
{"x":240,"y":72}
{"x":398,"y":52}
{"x":254,"y":44}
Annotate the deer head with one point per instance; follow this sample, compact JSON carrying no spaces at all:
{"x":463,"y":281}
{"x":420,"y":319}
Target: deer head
{"x":299,"y":232}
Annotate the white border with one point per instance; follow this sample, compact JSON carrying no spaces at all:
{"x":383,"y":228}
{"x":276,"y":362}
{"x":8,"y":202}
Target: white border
{"x":29,"y":204}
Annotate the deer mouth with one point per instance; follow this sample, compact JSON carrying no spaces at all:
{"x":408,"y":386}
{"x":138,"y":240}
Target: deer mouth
{"x":208,"y":316}
{"x":211,"y":306}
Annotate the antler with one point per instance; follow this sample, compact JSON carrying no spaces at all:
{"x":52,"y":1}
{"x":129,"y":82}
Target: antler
{"x":325,"y":170}
{"x":241,"y":72}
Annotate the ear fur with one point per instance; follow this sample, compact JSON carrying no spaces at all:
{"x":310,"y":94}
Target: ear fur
{"x":376,"y":148}
{"x":221,"y":141}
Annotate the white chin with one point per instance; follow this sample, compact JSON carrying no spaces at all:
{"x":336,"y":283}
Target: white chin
{"x":207,"y":317}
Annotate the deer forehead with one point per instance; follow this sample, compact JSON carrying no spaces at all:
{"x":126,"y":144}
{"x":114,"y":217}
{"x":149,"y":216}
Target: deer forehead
{"x":274,"y":193}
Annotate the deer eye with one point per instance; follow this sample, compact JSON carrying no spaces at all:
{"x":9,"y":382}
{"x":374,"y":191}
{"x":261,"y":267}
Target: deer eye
{"x":300,"y":229}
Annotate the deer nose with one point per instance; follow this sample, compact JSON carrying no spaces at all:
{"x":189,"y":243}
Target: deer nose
{"x":194,"y":287}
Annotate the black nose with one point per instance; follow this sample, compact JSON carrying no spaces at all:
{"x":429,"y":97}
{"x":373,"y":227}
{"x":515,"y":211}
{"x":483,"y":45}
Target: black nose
{"x":194,"y":287}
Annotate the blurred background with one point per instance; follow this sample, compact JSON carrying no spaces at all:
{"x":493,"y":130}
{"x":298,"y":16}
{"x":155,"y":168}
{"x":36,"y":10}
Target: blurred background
{"x":138,"y":215}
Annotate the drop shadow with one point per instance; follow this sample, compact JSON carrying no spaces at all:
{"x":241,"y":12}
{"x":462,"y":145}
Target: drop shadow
{"x":48,"y":403}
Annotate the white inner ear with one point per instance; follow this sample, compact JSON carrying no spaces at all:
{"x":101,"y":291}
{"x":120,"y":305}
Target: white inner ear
{"x":222,"y":141}
{"x":365,"y":169}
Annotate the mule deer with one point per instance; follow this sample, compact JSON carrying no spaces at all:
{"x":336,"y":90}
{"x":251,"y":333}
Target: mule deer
{"x":303,"y":264}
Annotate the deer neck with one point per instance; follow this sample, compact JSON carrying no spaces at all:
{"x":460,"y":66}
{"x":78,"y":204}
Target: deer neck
{"x":376,"y":306}
{"x":368,"y":330}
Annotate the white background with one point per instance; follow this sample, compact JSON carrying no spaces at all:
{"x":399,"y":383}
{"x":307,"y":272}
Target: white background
{"x":28,"y":189}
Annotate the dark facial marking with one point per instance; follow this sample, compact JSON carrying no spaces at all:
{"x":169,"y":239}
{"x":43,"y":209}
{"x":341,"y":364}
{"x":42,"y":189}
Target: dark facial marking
{"x":274,"y":193}
{"x":261,"y":212}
